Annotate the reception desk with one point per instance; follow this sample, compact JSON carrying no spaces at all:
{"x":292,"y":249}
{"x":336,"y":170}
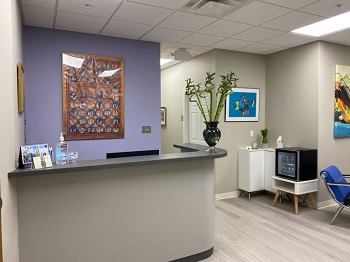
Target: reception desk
{"x":148,"y":208}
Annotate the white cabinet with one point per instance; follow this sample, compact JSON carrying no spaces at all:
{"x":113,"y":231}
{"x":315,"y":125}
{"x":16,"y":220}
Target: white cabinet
{"x":256,"y":167}
{"x":251,"y":170}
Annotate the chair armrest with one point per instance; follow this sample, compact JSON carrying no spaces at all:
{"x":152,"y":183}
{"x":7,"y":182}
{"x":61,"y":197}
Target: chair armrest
{"x":346,"y":176}
{"x":338,"y":184}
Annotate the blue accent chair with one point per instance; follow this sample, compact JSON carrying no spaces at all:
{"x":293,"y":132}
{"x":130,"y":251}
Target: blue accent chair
{"x":338,"y":187}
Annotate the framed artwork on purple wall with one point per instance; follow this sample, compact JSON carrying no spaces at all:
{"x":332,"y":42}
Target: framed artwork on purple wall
{"x":93,"y":96}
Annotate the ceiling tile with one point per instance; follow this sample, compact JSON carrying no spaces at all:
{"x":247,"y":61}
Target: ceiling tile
{"x":258,"y":48}
{"x":125,"y":29}
{"x":202,"y":51}
{"x":172,"y":4}
{"x":164,"y":45}
{"x":258,"y":34}
{"x":340,"y":36}
{"x":305,"y":41}
{"x":257,"y":13}
{"x":186,"y":22}
{"x":327,"y":8}
{"x":294,"y":4}
{"x":73,"y":30}
{"x":142,"y":14}
{"x":50,"y":4}
{"x":165,"y":55}
{"x":99,"y":8}
{"x":201,"y":39}
{"x":38,"y":16}
{"x":80,"y":22}
{"x":224,"y":28}
{"x":276,"y":50}
{"x":287,"y":39}
{"x":160,"y":34}
{"x":292,"y":21}
{"x":231,"y":44}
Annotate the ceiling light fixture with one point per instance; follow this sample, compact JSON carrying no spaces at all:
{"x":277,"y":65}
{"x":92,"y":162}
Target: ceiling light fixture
{"x":327,"y":26}
{"x":88,"y":5}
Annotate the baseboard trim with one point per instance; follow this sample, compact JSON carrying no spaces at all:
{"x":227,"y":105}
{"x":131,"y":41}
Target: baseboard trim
{"x":196,"y":257}
{"x":233,"y":194}
{"x":326,"y":203}
{"x":227,"y":195}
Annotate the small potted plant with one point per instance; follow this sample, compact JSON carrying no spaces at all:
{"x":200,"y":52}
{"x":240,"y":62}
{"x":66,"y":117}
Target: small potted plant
{"x":203,"y":95}
{"x":264,"y":138}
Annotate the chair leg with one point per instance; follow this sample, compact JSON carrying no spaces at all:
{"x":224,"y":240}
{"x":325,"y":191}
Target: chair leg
{"x":340,"y":208}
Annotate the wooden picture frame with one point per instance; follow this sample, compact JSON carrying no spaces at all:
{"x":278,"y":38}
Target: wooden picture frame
{"x":163,"y":116}
{"x":20,"y":88}
{"x":242,"y":105}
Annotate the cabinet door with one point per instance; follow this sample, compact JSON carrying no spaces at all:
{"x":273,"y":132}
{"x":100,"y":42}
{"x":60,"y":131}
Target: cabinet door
{"x":251,"y":170}
{"x":269,"y":170}
{"x":256,"y":170}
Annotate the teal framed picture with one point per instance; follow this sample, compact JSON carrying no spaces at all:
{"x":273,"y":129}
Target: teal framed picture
{"x":242,"y":105}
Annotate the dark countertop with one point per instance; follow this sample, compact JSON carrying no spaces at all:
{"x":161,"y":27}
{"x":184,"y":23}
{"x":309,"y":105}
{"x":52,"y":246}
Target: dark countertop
{"x":190,"y":152}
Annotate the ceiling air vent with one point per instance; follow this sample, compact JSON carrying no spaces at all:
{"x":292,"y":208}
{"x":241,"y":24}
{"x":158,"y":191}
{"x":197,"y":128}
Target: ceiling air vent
{"x":214,"y":8}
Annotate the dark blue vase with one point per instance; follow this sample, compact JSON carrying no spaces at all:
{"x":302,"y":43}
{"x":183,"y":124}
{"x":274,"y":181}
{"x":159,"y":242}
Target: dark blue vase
{"x":211,"y":135}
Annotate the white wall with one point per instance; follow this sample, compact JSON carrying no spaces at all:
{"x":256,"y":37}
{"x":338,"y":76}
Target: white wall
{"x":250,"y":69}
{"x":12,"y":127}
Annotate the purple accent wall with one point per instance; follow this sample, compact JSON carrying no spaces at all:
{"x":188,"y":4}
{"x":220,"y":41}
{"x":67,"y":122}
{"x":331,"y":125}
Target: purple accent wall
{"x":43,"y":69}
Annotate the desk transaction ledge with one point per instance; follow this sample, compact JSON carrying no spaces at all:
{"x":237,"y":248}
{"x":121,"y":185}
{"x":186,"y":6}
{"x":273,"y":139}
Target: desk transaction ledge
{"x":189,"y":152}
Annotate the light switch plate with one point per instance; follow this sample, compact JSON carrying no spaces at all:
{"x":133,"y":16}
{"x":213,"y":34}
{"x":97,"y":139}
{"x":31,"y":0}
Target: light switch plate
{"x":146,"y":129}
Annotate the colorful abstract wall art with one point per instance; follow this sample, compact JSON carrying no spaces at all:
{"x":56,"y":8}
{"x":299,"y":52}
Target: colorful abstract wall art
{"x":93,"y":96}
{"x":242,"y":105}
{"x":342,"y":102}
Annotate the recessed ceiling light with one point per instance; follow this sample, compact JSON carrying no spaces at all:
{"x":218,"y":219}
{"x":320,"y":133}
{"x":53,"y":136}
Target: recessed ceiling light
{"x":325,"y":27}
{"x":164,"y":61}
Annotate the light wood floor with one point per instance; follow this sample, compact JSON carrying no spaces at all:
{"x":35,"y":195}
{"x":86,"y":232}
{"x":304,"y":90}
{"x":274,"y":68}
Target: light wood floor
{"x":255,"y":231}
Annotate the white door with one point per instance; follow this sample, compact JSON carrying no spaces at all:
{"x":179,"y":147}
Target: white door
{"x":195,"y":124}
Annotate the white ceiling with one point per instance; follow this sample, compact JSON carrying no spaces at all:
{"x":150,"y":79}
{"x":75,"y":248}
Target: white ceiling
{"x":260,"y":27}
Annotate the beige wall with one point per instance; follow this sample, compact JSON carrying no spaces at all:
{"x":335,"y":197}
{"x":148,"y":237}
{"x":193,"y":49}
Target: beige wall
{"x":292,"y":96}
{"x":304,"y":78}
{"x":12,"y":127}
{"x":250,"y":69}
{"x":331,"y":151}
{"x":297,"y":104}
{"x":172,"y":95}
